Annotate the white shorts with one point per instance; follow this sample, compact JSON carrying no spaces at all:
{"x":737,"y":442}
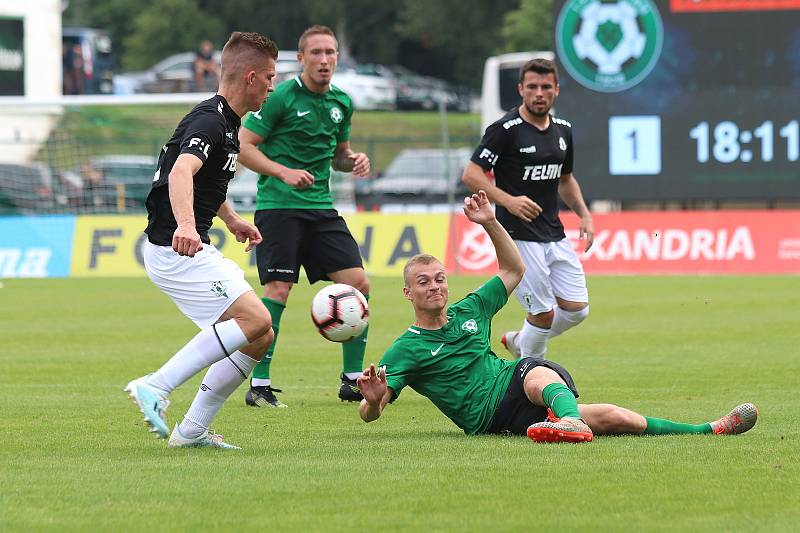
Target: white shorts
{"x":203,"y":286}
{"x":551,"y":269}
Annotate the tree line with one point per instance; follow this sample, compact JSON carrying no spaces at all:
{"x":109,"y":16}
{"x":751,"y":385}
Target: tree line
{"x":448,"y":39}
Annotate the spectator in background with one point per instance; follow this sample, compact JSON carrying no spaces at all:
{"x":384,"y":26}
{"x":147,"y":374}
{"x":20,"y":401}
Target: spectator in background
{"x":72,"y":69}
{"x":97,"y":193}
{"x":206,"y":75}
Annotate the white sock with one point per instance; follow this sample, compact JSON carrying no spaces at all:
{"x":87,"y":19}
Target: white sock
{"x":203,"y":350}
{"x":352,"y":375}
{"x":532,"y":340}
{"x":260,"y":382}
{"x":220,"y":381}
{"x":563,"y":320}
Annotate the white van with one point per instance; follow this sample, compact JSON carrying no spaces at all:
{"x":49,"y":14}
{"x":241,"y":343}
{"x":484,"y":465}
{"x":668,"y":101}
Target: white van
{"x":500,"y":80}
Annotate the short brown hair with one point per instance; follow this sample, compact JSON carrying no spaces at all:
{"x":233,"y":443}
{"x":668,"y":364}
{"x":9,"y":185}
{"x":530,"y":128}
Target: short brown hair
{"x":539,"y":66}
{"x":316,"y":29}
{"x":243,"y":50}
{"x":419,"y":259}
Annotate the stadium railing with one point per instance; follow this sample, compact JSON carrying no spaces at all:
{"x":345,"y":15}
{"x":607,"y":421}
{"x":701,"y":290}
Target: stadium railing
{"x":97,"y":154}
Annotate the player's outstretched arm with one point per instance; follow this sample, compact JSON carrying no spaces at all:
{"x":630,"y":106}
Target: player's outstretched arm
{"x":376,"y":393}
{"x":478,"y":210}
{"x":520,"y":206}
{"x":241,"y":229}
{"x":185,"y":240}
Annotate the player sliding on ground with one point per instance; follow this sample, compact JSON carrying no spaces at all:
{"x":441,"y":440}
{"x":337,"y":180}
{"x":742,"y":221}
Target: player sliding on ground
{"x":446,"y":355}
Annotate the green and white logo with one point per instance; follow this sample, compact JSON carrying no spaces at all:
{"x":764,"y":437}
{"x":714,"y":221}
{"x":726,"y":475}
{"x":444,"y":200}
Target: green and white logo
{"x":219,"y":289}
{"x":470,"y":326}
{"x":609,"y":46}
{"x":336,"y":115}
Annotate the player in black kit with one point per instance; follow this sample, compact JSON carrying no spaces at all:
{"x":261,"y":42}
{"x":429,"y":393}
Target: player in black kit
{"x":531,"y":154}
{"x":189,"y":189}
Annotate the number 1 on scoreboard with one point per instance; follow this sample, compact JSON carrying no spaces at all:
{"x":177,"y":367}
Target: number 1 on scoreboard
{"x":634,"y":145}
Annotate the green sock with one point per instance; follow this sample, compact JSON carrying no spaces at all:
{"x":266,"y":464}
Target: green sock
{"x":660,"y":426}
{"x":275,"y":308}
{"x":560,"y":400}
{"x":353,"y":352}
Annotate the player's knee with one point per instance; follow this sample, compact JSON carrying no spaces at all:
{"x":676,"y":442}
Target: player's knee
{"x":536,"y":380}
{"x":542,"y":320}
{"x":256,"y":323}
{"x":573,"y":312}
{"x":266,"y":340}
{"x":277,"y":290}
{"x":258,"y":347}
{"x":580,"y":315}
{"x":573,"y":307}
{"x":620,"y":420}
{"x":363,"y":285}
{"x":263,"y":325}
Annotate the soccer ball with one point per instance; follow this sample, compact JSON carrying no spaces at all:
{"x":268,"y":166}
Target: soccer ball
{"x":339,"y":312}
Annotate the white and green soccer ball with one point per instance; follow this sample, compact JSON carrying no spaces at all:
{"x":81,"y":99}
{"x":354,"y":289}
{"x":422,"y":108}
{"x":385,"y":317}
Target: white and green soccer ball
{"x":339,"y":312}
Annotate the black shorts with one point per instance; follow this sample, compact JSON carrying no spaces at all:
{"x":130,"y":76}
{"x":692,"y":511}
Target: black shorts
{"x":515,"y":412}
{"x":317,"y":239}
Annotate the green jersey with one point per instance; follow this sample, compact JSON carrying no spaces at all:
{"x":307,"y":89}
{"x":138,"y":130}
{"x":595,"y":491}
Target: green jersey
{"x":455,"y":366}
{"x":301,"y":129}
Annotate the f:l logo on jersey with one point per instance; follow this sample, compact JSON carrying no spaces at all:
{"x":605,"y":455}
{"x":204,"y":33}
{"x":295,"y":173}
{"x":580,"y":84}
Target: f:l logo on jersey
{"x":196,"y":141}
{"x":488,"y":155}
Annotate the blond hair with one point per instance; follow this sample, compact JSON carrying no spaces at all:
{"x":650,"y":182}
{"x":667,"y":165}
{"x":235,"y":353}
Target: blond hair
{"x":419,"y":259}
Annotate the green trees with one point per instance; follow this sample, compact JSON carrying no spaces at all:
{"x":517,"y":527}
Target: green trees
{"x":449,"y":39}
{"x":528,"y":27}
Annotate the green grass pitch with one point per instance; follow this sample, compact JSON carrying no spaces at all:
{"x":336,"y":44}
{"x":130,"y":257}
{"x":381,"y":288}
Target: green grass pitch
{"x":74,"y":454}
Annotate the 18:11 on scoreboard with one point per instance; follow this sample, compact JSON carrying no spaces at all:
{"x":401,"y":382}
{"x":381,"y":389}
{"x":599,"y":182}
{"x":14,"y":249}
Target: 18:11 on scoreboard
{"x":634,"y":143}
{"x":727,"y":143}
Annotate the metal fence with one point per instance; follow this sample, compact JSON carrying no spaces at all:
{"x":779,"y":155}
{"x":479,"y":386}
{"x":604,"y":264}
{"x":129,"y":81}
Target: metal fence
{"x":101,"y":159}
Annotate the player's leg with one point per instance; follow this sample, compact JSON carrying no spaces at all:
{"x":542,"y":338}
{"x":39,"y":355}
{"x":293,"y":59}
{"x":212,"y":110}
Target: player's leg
{"x":568,"y":281}
{"x":214,"y":342}
{"x":203,"y":288}
{"x":225,"y":376}
{"x":515,"y":413}
{"x":607,"y":419}
{"x":567,"y":314}
{"x":261,"y":393}
{"x":536,"y":296}
{"x":352,"y":351}
{"x":550,"y":385}
{"x":335,"y":255}
{"x":278,"y":261}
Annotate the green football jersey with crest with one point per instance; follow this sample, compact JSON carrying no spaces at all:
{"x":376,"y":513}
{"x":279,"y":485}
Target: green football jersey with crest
{"x":301,"y":129}
{"x":455,"y":366}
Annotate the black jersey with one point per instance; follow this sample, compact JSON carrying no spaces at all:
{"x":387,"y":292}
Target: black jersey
{"x":528,"y":161}
{"x":211,"y":132}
